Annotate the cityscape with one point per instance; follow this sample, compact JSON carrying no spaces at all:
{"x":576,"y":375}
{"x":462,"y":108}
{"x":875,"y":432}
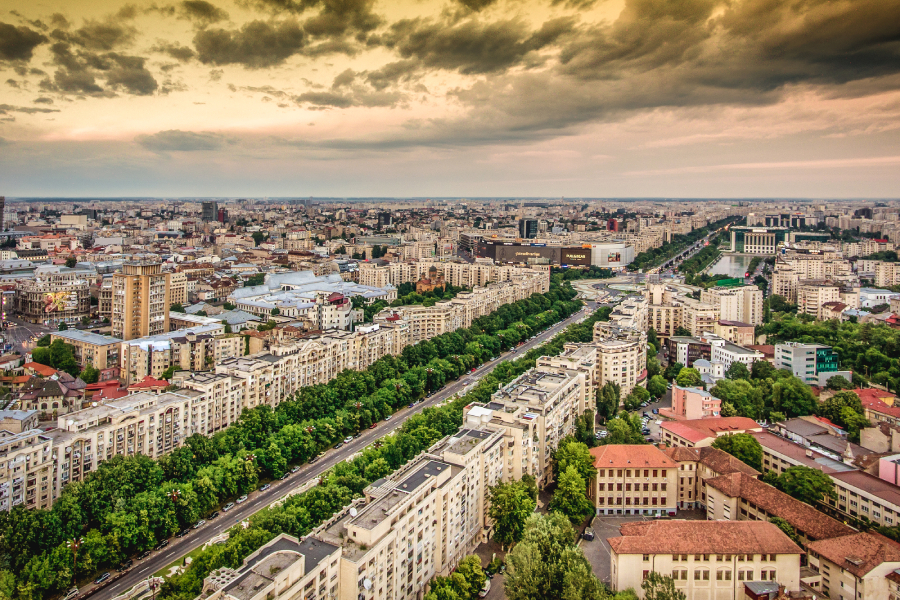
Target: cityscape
{"x":449,"y":300}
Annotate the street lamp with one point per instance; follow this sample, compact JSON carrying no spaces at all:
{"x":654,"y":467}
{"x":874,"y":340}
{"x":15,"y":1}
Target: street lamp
{"x":74,"y":544}
{"x":153,"y":583}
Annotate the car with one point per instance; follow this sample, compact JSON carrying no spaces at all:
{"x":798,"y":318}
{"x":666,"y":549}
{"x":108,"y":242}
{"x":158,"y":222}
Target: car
{"x":295,"y":469}
{"x":161,"y":545}
{"x":313,"y":459}
{"x":357,"y":435}
{"x":645,"y":431}
{"x":228,"y":507}
{"x":669,"y":386}
{"x":655,"y":411}
{"x":213,"y":516}
{"x":348,"y":439}
{"x":388,"y":418}
{"x":472,"y":371}
{"x":125,"y":565}
{"x":645,"y":404}
{"x":242,"y":499}
{"x":199,"y":523}
{"x":102,"y":578}
{"x":285,"y":476}
{"x":646,"y":414}
{"x":265,"y":487}
{"x":71,"y":594}
{"x":588,"y":534}
{"x":484,"y":590}
{"x":373,"y":425}
{"x":182,"y":533}
{"x":488,"y":574}
{"x":143,"y":555}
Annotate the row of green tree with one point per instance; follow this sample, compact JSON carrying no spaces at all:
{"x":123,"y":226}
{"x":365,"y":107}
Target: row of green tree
{"x":699,"y":261}
{"x":409,"y":298}
{"x":129,"y":504}
{"x":657,"y":256}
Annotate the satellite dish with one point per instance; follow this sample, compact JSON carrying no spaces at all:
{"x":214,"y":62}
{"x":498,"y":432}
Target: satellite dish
{"x":367,"y":584}
{"x":353,"y":512}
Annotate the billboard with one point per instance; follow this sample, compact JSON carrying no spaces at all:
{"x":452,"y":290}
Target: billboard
{"x":60,"y":301}
{"x":575,"y":256}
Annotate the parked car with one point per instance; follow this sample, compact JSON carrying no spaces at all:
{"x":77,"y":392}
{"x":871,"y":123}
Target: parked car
{"x":645,"y":431}
{"x":213,"y":516}
{"x":125,"y":565}
{"x":102,"y":578}
{"x":242,"y":499}
{"x":265,"y":487}
{"x":487,"y":588}
{"x":348,"y":439}
{"x":655,"y":411}
{"x":339,"y":445}
{"x":228,"y":507}
{"x":295,"y":469}
{"x":143,"y":555}
{"x":373,"y":425}
{"x":199,"y":523}
{"x":182,"y":533}
{"x":312,"y":460}
{"x":286,"y":475}
{"x":71,"y":593}
{"x":388,"y":418}
{"x":588,"y":534}
{"x":161,"y":545}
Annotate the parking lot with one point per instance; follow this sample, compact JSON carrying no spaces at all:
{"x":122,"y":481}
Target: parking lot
{"x":652,"y":425}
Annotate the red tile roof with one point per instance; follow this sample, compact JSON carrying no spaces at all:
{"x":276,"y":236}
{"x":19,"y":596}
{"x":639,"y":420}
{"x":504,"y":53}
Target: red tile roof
{"x":813,"y":524}
{"x":148,"y":382}
{"x":858,"y":553}
{"x":697,"y":430}
{"x":702,"y":537}
{"x":626,"y":455}
{"x":717,"y":460}
{"x":39,"y":368}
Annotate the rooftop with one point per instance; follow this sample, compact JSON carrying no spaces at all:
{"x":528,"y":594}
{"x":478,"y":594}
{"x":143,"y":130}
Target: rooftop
{"x":86,"y":337}
{"x":625,"y":455}
{"x":858,"y":553}
{"x":702,"y":537}
{"x":697,"y":430}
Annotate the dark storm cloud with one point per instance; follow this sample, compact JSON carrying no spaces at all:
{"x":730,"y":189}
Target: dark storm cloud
{"x":78,"y":72}
{"x":175,"y":140}
{"x":335,"y":17}
{"x":471,"y":46}
{"x":357,"y":95}
{"x":175,"y":50}
{"x":344,"y":78}
{"x":476,"y":5}
{"x":18,"y":43}
{"x":201,"y":12}
{"x":12,"y":83}
{"x":100,"y":35}
{"x":43,"y":100}
{"x":256,"y":45}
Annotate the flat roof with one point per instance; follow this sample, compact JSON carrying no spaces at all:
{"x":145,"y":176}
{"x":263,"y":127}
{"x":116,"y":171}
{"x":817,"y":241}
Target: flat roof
{"x":86,"y":337}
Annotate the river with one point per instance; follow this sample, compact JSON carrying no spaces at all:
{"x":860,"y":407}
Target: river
{"x":731,"y":265}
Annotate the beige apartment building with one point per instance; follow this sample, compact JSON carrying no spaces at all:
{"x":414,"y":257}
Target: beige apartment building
{"x":178,"y":288}
{"x":742,"y":334}
{"x":143,"y":423}
{"x":458,"y":274}
{"x":55,"y":295}
{"x":141,"y":300}
{"x":857,"y":566}
{"x":633,"y":480}
{"x":194,"y":348}
{"x":698,"y":316}
{"x":284,"y":569}
{"x":813,"y":293}
{"x":101,"y":351}
{"x":707,"y":559}
{"x":792,"y":268}
{"x":742,"y":304}
{"x":26,"y":465}
{"x":664,"y":311}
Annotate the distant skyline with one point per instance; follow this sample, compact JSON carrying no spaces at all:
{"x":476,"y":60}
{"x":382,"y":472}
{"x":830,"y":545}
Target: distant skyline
{"x":694,"y":99}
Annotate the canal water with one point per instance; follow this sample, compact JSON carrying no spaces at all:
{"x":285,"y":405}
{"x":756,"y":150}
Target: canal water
{"x":731,"y":265}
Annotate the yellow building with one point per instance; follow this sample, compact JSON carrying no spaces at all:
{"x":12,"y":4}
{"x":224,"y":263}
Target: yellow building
{"x":141,"y":300}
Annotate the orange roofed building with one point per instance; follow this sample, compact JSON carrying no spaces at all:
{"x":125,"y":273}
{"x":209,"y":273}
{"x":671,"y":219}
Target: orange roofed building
{"x":633,"y":480}
{"x":703,"y":432}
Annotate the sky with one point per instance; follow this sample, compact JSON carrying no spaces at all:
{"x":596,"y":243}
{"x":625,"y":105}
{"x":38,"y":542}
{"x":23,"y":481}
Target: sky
{"x":532,"y":98}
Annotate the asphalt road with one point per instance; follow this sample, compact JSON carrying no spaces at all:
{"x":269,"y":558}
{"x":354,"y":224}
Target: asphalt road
{"x":19,"y":334}
{"x":258,"y":500}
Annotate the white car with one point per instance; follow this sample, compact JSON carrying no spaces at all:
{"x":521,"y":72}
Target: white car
{"x":241,"y":500}
{"x":487,"y":588}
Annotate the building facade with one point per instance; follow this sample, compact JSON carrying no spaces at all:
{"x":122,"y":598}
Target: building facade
{"x":141,"y":300}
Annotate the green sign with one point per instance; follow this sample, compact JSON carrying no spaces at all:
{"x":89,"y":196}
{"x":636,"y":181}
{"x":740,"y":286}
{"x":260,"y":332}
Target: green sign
{"x":729,"y":282}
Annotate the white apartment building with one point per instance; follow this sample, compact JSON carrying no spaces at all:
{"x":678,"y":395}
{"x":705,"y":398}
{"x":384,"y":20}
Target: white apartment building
{"x":458,"y":274}
{"x":26,"y":467}
{"x":725,"y":352}
{"x":742,"y":303}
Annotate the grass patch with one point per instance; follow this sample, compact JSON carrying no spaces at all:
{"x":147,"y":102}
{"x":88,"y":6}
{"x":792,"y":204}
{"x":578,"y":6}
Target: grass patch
{"x":178,"y":562}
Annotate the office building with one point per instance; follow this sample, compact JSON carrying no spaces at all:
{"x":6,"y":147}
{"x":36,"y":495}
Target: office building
{"x":811,"y":363}
{"x":210,"y":211}
{"x":528,"y":228}
{"x":141,"y":300}
{"x":55,"y":295}
{"x":757,"y":240}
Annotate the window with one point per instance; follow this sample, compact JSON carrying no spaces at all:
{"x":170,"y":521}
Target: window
{"x":723,"y":575}
{"x":701,"y":575}
{"x":646,"y":558}
{"x":646,"y":573}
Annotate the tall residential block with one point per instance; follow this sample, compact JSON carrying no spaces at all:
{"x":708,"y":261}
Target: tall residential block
{"x":140,"y":304}
{"x":210,"y":211}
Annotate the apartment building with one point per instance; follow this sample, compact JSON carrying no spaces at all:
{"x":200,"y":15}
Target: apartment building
{"x":739,"y":304}
{"x":707,"y":559}
{"x":144,"y":423}
{"x":857,"y":566}
{"x":621,"y":356}
{"x":692,"y":403}
{"x":664,"y":312}
{"x":811,"y":363}
{"x":736,"y":332}
{"x":417,"y":523}
{"x":813,"y":293}
{"x":534,"y":411}
{"x":793,"y":267}
{"x":631,"y":313}
{"x":633,"y":480}
{"x":725,"y":352}
{"x":26,"y":466}
{"x":101,"y":351}
{"x":178,"y":293}
{"x":284,"y":569}
{"x":583,"y":358}
{"x":697,"y":316}
{"x":141,"y":300}
{"x":886,"y":274}
{"x":187,"y":348}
